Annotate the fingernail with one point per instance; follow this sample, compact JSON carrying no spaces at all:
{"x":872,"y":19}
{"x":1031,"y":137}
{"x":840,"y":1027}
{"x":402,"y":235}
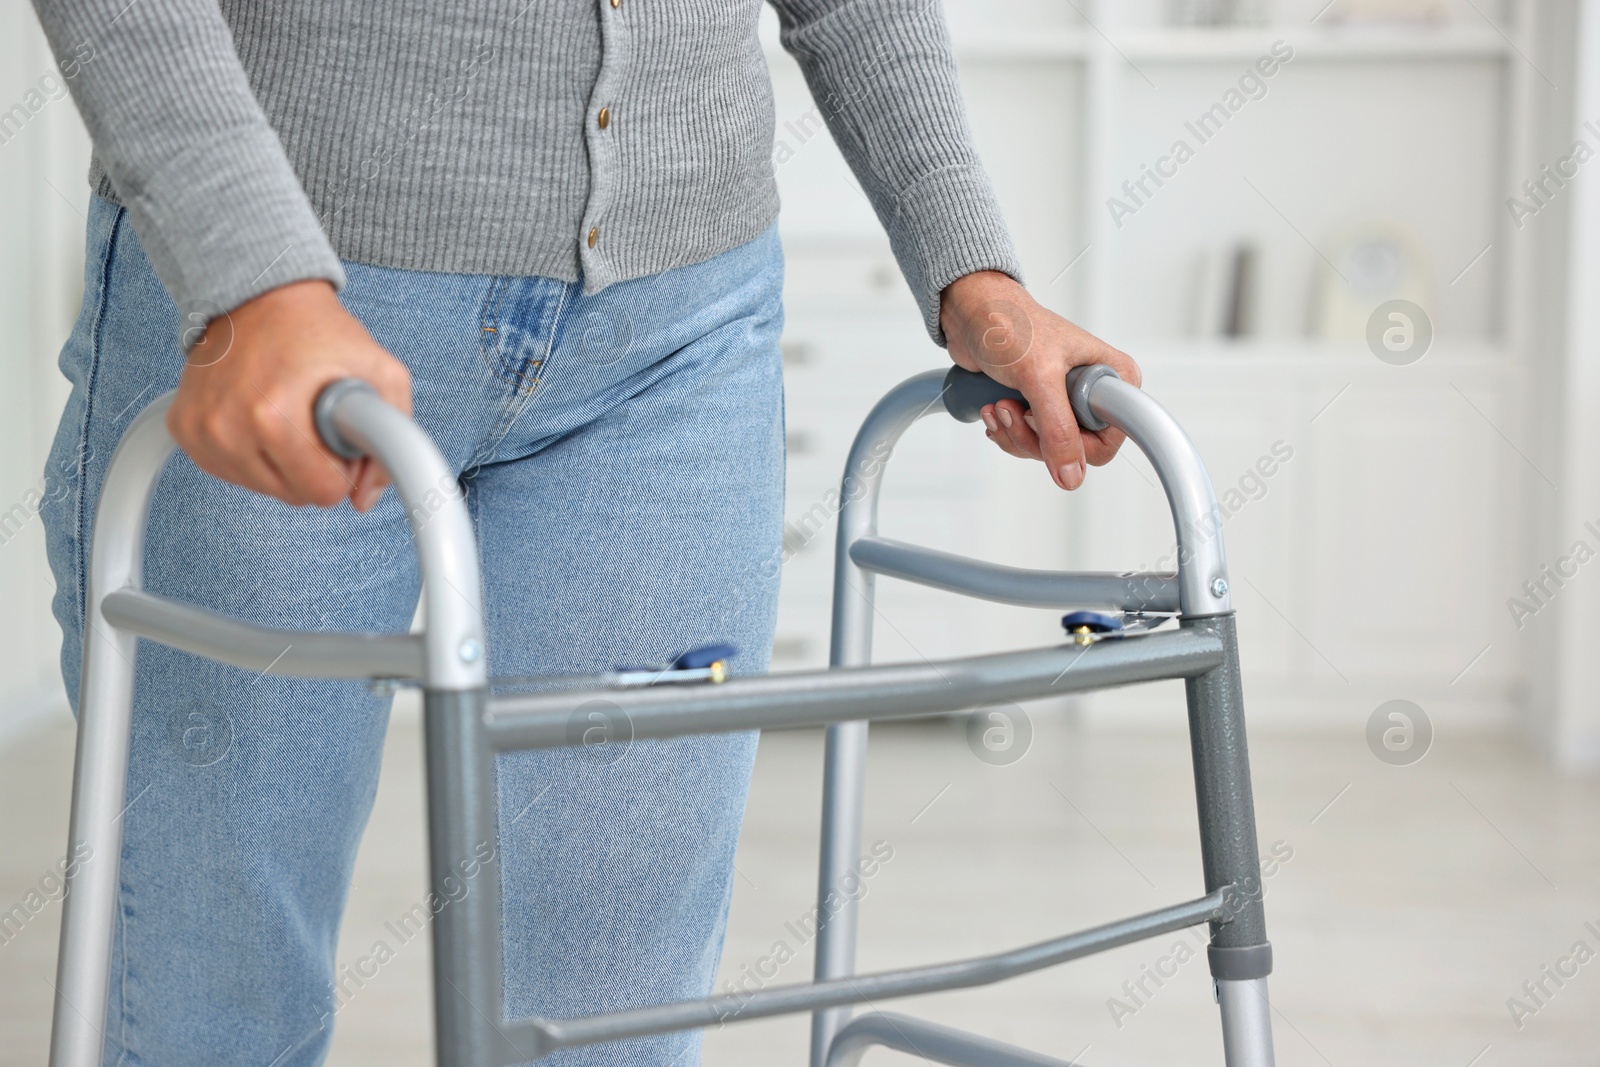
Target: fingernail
{"x":1027,"y":417}
{"x":1072,"y":474}
{"x":1005,"y":416}
{"x":988,"y":420}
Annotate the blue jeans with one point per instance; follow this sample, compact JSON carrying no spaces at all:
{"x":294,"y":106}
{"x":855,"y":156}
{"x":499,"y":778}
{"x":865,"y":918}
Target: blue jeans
{"x":622,"y":457}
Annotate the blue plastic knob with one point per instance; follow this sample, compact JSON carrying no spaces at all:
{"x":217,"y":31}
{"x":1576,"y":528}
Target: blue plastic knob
{"x":700,"y":658}
{"x":1093,"y":621}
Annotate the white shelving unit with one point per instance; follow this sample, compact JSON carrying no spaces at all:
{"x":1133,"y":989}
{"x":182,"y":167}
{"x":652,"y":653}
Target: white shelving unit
{"x":1373,"y":564}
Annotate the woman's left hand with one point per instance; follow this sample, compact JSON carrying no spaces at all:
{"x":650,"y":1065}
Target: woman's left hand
{"x":992,"y":325}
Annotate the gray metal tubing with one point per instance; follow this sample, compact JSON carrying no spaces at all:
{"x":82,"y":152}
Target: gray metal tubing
{"x":1222,"y":789}
{"x":264,"y":648}
{"x":810,"y":698}
{"x":447,"y":547}
{"x":1246,"y":1023}
{"x":844,"y":798}
{"x":464,"y":869}
{"x":844,"y":767}
{"x":1202,"y":580}
{"x":928,"y":1041}
{"x":1202,"y":570}
{"x":1239,"y":954}
{"x":454,"y":660}
{"x":540,"y":1037}
{"x":105,"y":717}
{"x":1013,"y":585}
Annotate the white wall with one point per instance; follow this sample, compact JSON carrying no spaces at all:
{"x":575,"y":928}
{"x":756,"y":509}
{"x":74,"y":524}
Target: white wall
{"x":1564,"y":706}
{"x":42,"y":195}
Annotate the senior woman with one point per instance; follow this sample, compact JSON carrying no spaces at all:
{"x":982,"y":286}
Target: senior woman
{"x":545,"y":227}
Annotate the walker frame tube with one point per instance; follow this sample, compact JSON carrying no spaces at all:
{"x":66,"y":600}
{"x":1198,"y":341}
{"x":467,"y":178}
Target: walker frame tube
{"x":928,"y":1041}
{"x":1130,"y":590}
{"x":816,"y":698}
{"x":844,"y":766}
{"x":117,"y":612}
{"x":1240,"y":955}
{"x":465,"y":728}
{"x":539,"y":1037}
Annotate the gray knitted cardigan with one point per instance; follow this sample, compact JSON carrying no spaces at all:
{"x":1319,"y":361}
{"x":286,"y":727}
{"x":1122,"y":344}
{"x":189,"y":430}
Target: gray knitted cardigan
{"x":256,"y":142}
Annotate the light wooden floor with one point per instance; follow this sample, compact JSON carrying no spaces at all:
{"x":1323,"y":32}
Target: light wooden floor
{"x":1408,"y":912}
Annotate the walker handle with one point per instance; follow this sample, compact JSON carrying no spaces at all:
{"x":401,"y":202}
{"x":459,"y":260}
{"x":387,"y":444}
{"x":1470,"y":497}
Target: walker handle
{"x":327,"y":425}
{"x":967,"y":392}
{"x":354,"y":422}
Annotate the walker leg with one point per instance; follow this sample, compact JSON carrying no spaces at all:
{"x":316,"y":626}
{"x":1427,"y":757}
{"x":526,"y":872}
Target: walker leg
{"x":94,"y":845}
{"x":844,"y":778}
{"x":1240,"y":955}
{"x":105,"y":730}
{"x":464,"y":875}
{"x":844,"y":769}
{"x":1246,"y":1022}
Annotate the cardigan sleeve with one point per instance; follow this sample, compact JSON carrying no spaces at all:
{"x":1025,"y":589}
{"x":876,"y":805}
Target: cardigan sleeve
{"x":187,"y":149}
{"x":883,"y":75}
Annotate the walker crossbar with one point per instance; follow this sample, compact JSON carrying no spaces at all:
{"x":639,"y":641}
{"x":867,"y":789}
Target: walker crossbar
{"x":1129,"y":591}
{"x":816,"y":698}
{"x":264,"y":648}
{"x":929,"y":1041}
{"x":540,"y":1037}
{"x":465,"y":727}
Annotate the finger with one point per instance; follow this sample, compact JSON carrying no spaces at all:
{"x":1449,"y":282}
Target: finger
{"x":1100,"y":447}
{"x":393,"y":382}
{"x":1097,"y":351}
{"x":249,"y":471}
{"x":280,"y":485}
{"x":1059,"y":441}
{"x":998,"y":433}
{"x":1127,"y":368}
{"x":370,"y":482}
{"x":213,"y":447}
{"x":366,"y":499}
{"x":314,"y":475}
{"x":1014,"y":426}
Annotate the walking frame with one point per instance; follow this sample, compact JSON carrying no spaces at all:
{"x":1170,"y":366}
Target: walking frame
{"x":465,"y":727}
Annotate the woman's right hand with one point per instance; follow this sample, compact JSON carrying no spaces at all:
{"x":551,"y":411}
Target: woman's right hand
{"x":244,"y":409}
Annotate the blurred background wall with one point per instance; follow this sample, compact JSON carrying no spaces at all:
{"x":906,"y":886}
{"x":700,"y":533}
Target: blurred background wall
{"x":44,"y":155}
{"x":1238,"y":194}
{"x":1388,"y":497}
